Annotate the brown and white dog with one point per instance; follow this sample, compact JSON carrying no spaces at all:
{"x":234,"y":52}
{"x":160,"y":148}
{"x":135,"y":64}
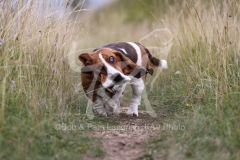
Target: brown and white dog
{"x":107,"y":69}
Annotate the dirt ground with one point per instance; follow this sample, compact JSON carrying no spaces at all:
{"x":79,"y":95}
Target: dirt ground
{"x":124,"y":141}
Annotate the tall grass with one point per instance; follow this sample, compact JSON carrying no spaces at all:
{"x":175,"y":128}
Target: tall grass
{"x":206,"y":51}
{"x":34,"y":59}
{"x":38,"y":87}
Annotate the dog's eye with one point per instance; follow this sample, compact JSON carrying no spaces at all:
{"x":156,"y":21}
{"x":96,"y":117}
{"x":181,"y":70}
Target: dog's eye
{"x":111,"y":59}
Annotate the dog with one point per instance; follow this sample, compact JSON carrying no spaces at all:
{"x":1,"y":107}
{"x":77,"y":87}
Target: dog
{"x":108,"y":68}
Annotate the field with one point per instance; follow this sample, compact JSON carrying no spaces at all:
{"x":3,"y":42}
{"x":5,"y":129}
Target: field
{"x":45,"y":115}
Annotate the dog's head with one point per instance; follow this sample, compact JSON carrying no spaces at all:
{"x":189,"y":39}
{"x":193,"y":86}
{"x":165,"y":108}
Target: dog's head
{"x":110,"y":67}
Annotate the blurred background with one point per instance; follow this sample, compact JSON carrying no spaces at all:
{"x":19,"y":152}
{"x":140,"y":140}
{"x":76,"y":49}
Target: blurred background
{"x":92,"y":4}
{"x":114,"y":20}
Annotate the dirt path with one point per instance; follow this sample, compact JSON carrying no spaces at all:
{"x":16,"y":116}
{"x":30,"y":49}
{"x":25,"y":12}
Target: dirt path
{"x":124,"y":141}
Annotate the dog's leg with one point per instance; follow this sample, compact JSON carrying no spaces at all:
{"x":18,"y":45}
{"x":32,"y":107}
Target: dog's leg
{"x":113,"y":104}
{"x":122,"y":89}
{"x":137,"y":88}
{"x":98,"y":106}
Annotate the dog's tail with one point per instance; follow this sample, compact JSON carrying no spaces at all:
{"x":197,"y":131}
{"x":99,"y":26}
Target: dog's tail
{"x":154,"y":62}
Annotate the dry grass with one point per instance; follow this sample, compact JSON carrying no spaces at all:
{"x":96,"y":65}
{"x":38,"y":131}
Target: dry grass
{"x":40,"y":85}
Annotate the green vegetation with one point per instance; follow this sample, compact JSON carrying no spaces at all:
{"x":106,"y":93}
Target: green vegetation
{"x":39,"y":88}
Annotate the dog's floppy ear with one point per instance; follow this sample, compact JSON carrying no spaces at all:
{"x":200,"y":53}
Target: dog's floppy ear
{"x":85,"y":58}
{"x":129,"y":67}
{"x":87,"y":61}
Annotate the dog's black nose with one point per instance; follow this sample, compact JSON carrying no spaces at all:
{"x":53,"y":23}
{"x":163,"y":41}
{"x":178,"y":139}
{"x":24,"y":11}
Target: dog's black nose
{"x":117,"y":77}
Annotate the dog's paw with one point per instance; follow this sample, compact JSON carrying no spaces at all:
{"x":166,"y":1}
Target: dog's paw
{"x":104,"y":114}
{"x":111,"y":108}
{"x":101,"y":112}
{"x":111,"y":111}
{"x":132,"y":112}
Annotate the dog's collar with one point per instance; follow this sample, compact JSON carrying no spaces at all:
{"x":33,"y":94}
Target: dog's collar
{"x":110,"y":91}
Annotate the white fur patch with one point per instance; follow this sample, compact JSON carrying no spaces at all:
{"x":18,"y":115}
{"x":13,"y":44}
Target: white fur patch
{"x":123,"y":50}
{"x":110,"y":72}
{"x":164,"y":64}
{"x":139,"y":54}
